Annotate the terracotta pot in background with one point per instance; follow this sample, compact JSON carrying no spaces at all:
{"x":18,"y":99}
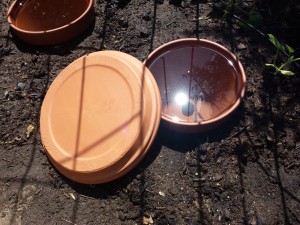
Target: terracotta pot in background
{"x":47,"y":22}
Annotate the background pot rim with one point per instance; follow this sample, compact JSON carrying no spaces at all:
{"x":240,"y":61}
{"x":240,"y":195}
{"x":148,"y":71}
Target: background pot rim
{"x":12,"y":8}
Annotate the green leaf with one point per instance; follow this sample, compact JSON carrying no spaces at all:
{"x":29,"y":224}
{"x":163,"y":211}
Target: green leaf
{"x":286,"y":72}
{"x":294,"y":59}
{"x":275,"y":42}
{"x":290,"y":49}
{"x":270,"y":65}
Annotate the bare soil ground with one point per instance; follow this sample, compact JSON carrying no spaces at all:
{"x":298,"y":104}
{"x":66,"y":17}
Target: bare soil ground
{"x":245,"y":172}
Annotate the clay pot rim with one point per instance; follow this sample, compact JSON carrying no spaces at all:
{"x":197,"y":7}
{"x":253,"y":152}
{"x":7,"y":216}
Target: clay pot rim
{"x":218,"y":48}
{"x":9,"y":19}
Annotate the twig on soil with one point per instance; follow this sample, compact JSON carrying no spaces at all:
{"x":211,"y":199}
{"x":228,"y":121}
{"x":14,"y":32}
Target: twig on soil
{"x":243,"y":129}
{"x":239,"y":132}
{"x":85,"y":196}
{"x":25,"y":136}
{"x":169,"y":24}
{"x":122,"y":46}
{"x":69,"y":221}
{"x":291,"y":165}
{"x":6,"y":160}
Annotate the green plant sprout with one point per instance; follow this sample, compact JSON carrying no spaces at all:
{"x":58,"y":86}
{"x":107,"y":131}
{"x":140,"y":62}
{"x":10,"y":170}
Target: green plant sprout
{"x":253,"y":18}
{"x":226,"y":11}
{"x":287,"y":50}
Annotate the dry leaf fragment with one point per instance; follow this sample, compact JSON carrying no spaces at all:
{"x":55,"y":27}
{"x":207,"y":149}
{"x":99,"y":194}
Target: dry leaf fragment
{"x":147,"y":220}
{"x":161,"y":194}
{"x":30,"y":130}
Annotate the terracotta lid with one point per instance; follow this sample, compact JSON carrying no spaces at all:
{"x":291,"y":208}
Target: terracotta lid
{"x":100,"y":116}
{"x":47,"y":22}
{"x":201,"y":83}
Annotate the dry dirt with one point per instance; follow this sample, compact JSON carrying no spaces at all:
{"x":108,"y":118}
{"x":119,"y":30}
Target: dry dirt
{"x":245,"y":172}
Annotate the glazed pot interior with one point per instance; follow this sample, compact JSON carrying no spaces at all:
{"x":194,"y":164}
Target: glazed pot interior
{"x":199,"y":81}
{"x":41,"y":15}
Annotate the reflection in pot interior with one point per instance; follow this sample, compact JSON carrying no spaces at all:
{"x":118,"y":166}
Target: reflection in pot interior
{"x":196,"y":83}
{"x":41,"y":15}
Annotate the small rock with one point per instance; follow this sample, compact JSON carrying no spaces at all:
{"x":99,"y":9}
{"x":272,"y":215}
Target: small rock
{"x":35,"y":95}
{"x":201,"y":179}
{"x":144,"y":33}
{"x":24,"y":64}
{"x":192,"y":162}
{"x":162,"y":194}
{"x":270,"y":135}
{"x":123,"y":22}
{"x":121,"y":216}
{"x":241,"y":46}
{"x":147,"y":17}
{"x":273,"y":179}
{"x":4,"y":51}
{"x":123,"y":195}
{"x":202,"y":158}
{"x":218,"y":177}
{"x":147,"y":220}
{"x":6,"y":94}
{"x":253,"y":221}
{"x":196,"y":204}
{"x":21,"y":86}
{"x":227,"y":214}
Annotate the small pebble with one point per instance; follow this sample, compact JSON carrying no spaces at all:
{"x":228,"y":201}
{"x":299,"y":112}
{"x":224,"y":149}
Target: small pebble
{"x":192,"y":162}
{"x":6,"y":94}
{"x":162,"y":194}
{"x":202,"y":158}
{"x":218,"y":177}
{"x":241,"y":46}
{"x":144,"y":33}
{"x":227,"y":214}
{"x":21,"y":86}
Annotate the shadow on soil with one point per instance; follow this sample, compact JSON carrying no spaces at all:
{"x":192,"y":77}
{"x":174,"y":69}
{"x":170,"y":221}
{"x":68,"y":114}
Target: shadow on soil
{"x":181,"y":142}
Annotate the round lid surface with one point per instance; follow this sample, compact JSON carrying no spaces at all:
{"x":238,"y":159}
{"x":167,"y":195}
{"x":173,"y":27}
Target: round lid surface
{"x":91,"y":115}
{"x":198,"y":80}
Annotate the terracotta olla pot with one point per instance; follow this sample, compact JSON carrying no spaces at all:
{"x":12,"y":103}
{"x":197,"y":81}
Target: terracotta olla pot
{"x":102,"y":112}
{"x":100,"y":116}
{"x":47,"y":22}
{"x":201,"y":83}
